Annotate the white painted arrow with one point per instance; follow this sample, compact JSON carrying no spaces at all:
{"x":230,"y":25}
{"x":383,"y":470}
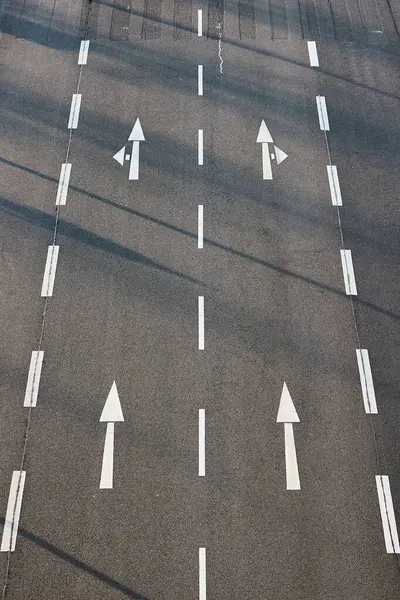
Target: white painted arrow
{"x":264,"y":138}
{"x":120,"y":156}
{"x":111,"y":414}
{"x":287,"y":414}
{"x":136,"y":137}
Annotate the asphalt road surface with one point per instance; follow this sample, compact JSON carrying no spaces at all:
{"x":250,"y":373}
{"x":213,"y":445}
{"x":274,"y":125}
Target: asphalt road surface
{"x":247,"y":311}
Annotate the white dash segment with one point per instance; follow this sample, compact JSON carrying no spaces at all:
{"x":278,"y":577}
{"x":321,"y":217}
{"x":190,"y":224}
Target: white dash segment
{"x":313,"y":54}
{"x":322,"y":113}
{"x":10,"y":530}
{"x":200,"y":80}
{"x":199,"y":22}
{"x":63,"y":184}
{"x":201,"y":322}
{"x":334,"y":185}
{"x":387,"y":514}
{"x":202,"y":442}
{"x":202,"y":574}
{"x":348,"y":273}
{"x":200,"y":147}
{"x":83,"y":52}
{"x":32,"y":385}
{"x":200,"y":234}
{"x":367,"y":383}
{"x":74,"y":112}
{"x":50,"y":271}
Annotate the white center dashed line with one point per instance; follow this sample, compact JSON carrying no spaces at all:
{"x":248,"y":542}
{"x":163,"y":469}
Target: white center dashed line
{"x":83,"y":52}
{"x":313,"y":54}
{"x":50,"y":271}
{"x":200,"y":235}
{"x":334,"y":186}
{"x":63,"y":184}
{"x":387,"y":514}
{"x":74,"y":111}
{"x":199,"y":22}
{"x":200,"y":80}
{"x":348,"y":273}
{"x":32,"y":385}
{"x":200,"y":148}
{"x":202,"y":442}
{"x":11,"y":522}
{"x":322,"y":113}
{"x":201,"y":322}
{"x":367,"y":384}
{"x":202,"y":574}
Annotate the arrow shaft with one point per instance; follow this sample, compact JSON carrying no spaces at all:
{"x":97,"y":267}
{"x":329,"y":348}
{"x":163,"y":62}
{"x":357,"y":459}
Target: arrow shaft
{"x":292,"y":471}
{"x":107,"y":470}
{"x":266,"y":161}
{"x":134,"y":166}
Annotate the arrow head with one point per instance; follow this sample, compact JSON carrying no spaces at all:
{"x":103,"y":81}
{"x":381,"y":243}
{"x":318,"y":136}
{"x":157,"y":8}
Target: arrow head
{"x":112,"y":411}
{"x":264,"y":135}
{"x":120,"y":156}
{"x":280,"y":155}
{"x":287,"y":412}
{"x":137,"y":133}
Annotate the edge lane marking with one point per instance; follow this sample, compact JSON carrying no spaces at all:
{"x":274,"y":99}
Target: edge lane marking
{"x":32,"y":384}
{"x":200,"y":147}
{"x":201,"y":322}
{"x":322,"y":113}
{"x":202,"y":442}
{"x":387,"y":514}
{"x":83,"y":52}
{"x":10,"y":530}
{"x":334,"y":185}
{"x":199,"y":22}
{"x":63,"y":184}
{"x":200,"y":235}
{"x":202,"y":574}
{"x":348,"y":273}
{"x":74,"y":112}
{"x":200,"y":80}
{"x":313,"y":54}
{"x":50,"y":271}
{"x":367,"y":384}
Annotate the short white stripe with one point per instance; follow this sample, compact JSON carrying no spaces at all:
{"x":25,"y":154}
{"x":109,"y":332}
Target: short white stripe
{"x":83,"y":52}
{"x":367,"y":384}
{"x":200,"y":240}
{"x":74,"y":112}
{"x":200,"y":149}
{"x":10,"y":530}
{"x":50,"y":271}
{"x":63,"y":184}
{"x":312,"y":53}
{"x":201,"y":322}
{"x":199,"y":22}
{"x":202,"y":442}
{"x":202,"y":574}
{"x":32,"y":385}
{"x":322,"y":113}
{"x":387,"y":514}
{"x":348,"y":273}
{"x":334,"y":186}
{"x":200,"y":80}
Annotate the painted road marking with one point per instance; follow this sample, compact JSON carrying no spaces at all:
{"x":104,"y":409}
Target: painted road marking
{"x":202,"y":442}
{"x":10,"y":530}
{"x":50,"y":271}
{"x":32,"y":385}
{"x":200,"y":148}
{"x":74,"y":112}
{"x":199,"y":22}
{"x":334,"y":186}
{"x":202,"y":574}
{"x":367,"y":384}
{"x":63,"y":184}
{"x":287,"y":414}
{"x":200,"y":236}
{"x":200,"y":80}
{"x":111,"y":414}
{"x":313,"y":54}
{"x":348,"y":273}
{"x":201,"y":322}
{"x":136,"y":136}
{"x":322,"y":113}
{"x":264,"y":138}
{"x":387,"y":514}
{"x":83,"y":52}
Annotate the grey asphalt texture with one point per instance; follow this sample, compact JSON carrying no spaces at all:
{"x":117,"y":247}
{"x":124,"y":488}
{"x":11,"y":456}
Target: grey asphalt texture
{"x":129,"y":274}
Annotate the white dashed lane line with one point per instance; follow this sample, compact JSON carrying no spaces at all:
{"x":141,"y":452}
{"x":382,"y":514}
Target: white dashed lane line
{"x":322,"y":113}
{"x":312,"y":52}
{"x":32,"y":384}
{"x":348,"y":273}
{"x":201,"y":322}
{"x":367,"y":384}
{"x":63,"y":184}
{"x":200,"y":80}
{"x":83,"y":52}
{"x":200,"y":147}
{"x":334,"y":185}
{"x":50,"y":271}
{"x":387,"y":514}
{"x":13,"y":512}
{"x":202,"y":574}
{"x":200,"y":235}
{"x":199,"y":22}
{"x":202,"y":442}
{"x":74,"y":111}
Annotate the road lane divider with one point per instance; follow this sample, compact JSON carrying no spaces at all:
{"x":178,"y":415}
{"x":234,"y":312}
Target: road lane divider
{"x":74,"y":111}
{"x":348,"y":273}
{"x":202,"y":442}
{"x":200,"y":148}
{"x":387,"y":514}
{"x":322,"y":113}
{"x":199,"y":22}
{"x":63,"y":184}
{"x":313,"y":54}
{"x":202,"y":574}
{"x":287,"y":415}
{"x":201,"y":322}
{"x":32,"y":384}
{"x":83,"y":52}
{"x":200,"y":227}
{"x":11,"y":522}
{"x":334,"y":185}
{"x":367,"y":384}
{"x":50,"y":271}
{"x":200,"y":80}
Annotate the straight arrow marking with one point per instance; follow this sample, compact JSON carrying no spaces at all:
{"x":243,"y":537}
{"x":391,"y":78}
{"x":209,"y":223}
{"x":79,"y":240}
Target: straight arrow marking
{"x":111,"y":413}
{"x":134,"y":166}
{"x":287,"y":414}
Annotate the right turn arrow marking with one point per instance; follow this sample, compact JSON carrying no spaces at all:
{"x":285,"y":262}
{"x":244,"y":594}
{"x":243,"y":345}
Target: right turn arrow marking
{"x":287,"y":414}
